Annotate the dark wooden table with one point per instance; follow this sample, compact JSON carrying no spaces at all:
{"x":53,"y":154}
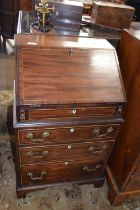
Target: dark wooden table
{"x":87,"y":30}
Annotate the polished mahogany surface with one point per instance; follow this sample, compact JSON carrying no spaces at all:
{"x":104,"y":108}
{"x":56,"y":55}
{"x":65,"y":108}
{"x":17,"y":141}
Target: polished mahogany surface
{"x":68,"y":151}
{"x":42,"y":40}
{"x":67,"y":70}
{"x":63,"y":171}
{"x":26,"y":19}
{"x":68,"y":109}
{"x":63,"y":134}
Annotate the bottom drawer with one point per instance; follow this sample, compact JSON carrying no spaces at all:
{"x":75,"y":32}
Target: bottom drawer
{"x":62,"y":171}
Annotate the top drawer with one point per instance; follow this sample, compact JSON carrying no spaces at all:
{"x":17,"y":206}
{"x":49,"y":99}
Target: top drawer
{"x":36,"y":114}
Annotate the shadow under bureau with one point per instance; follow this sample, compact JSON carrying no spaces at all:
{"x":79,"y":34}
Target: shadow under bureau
{"x":69,"y":100}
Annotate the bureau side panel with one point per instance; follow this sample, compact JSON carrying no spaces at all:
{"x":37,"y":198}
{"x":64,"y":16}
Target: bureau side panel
{"x":126,"y":149}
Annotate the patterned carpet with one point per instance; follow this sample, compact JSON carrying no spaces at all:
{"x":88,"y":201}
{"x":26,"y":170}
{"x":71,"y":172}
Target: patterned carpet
{"x":64,"y":197}
{"x":6,"y":100}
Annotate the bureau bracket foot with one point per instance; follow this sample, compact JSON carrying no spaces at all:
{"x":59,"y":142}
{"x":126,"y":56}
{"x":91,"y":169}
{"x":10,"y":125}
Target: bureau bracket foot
{"x":99,"y":183}
{"x":21,"y":193}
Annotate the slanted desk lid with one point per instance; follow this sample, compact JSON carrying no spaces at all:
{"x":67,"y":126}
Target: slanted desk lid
{"x":66,"y":70}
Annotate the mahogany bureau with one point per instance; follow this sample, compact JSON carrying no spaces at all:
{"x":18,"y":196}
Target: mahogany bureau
{"x":69,"y":99}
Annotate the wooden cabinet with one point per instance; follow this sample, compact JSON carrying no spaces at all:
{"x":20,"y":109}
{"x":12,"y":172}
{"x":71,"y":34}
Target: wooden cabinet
{"x":124,"y":166}
{"x":112,"y":14}
{"x":67,"y":109}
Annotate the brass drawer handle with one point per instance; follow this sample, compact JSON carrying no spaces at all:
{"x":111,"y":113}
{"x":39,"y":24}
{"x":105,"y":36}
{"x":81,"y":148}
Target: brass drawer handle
{"x":93,"y":149}
{"x":31,"y":154}
{"x":30,"y":136}
{"x":96,"y":131}
{"x":85,"y":168}
{"x":37,"y":177}
{"x":45,"y":134}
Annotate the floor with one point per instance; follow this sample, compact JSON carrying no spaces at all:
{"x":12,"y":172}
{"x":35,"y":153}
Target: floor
{"x":64,"y":197}
{"x":7,"y":70}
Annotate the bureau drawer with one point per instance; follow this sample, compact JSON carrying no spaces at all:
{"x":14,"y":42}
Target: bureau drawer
{"x":45,"y":114}
{"x":65,"y":151}
{"x":62,"y":171}
{"x":63,"y":134}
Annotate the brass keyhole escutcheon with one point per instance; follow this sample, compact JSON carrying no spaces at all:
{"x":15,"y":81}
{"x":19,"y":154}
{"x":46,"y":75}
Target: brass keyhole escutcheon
{"x":74,"y":111}
{"x":71,"y":130}
{"x":69,"y":146}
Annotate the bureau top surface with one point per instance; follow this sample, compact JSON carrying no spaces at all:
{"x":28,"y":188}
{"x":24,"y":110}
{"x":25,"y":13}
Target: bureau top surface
{"x":67,"y":70}
{"x":63,"y":42}
{"x":134,"y":33}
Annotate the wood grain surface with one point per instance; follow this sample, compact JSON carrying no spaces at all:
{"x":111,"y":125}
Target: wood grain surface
{"x":68,"y":151}
{"x":67,"y":134}
{"x":62,"y":171}
{"x":111,"y":14}
{"x":70,"y":100}
{"x":68,"y":70}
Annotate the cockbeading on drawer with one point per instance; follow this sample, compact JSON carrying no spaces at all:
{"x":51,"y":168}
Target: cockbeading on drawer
{"x":62,"y":171}
{"x":43,"y":114}
{"x":62,"y":134}
{"x":64,"y":151}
